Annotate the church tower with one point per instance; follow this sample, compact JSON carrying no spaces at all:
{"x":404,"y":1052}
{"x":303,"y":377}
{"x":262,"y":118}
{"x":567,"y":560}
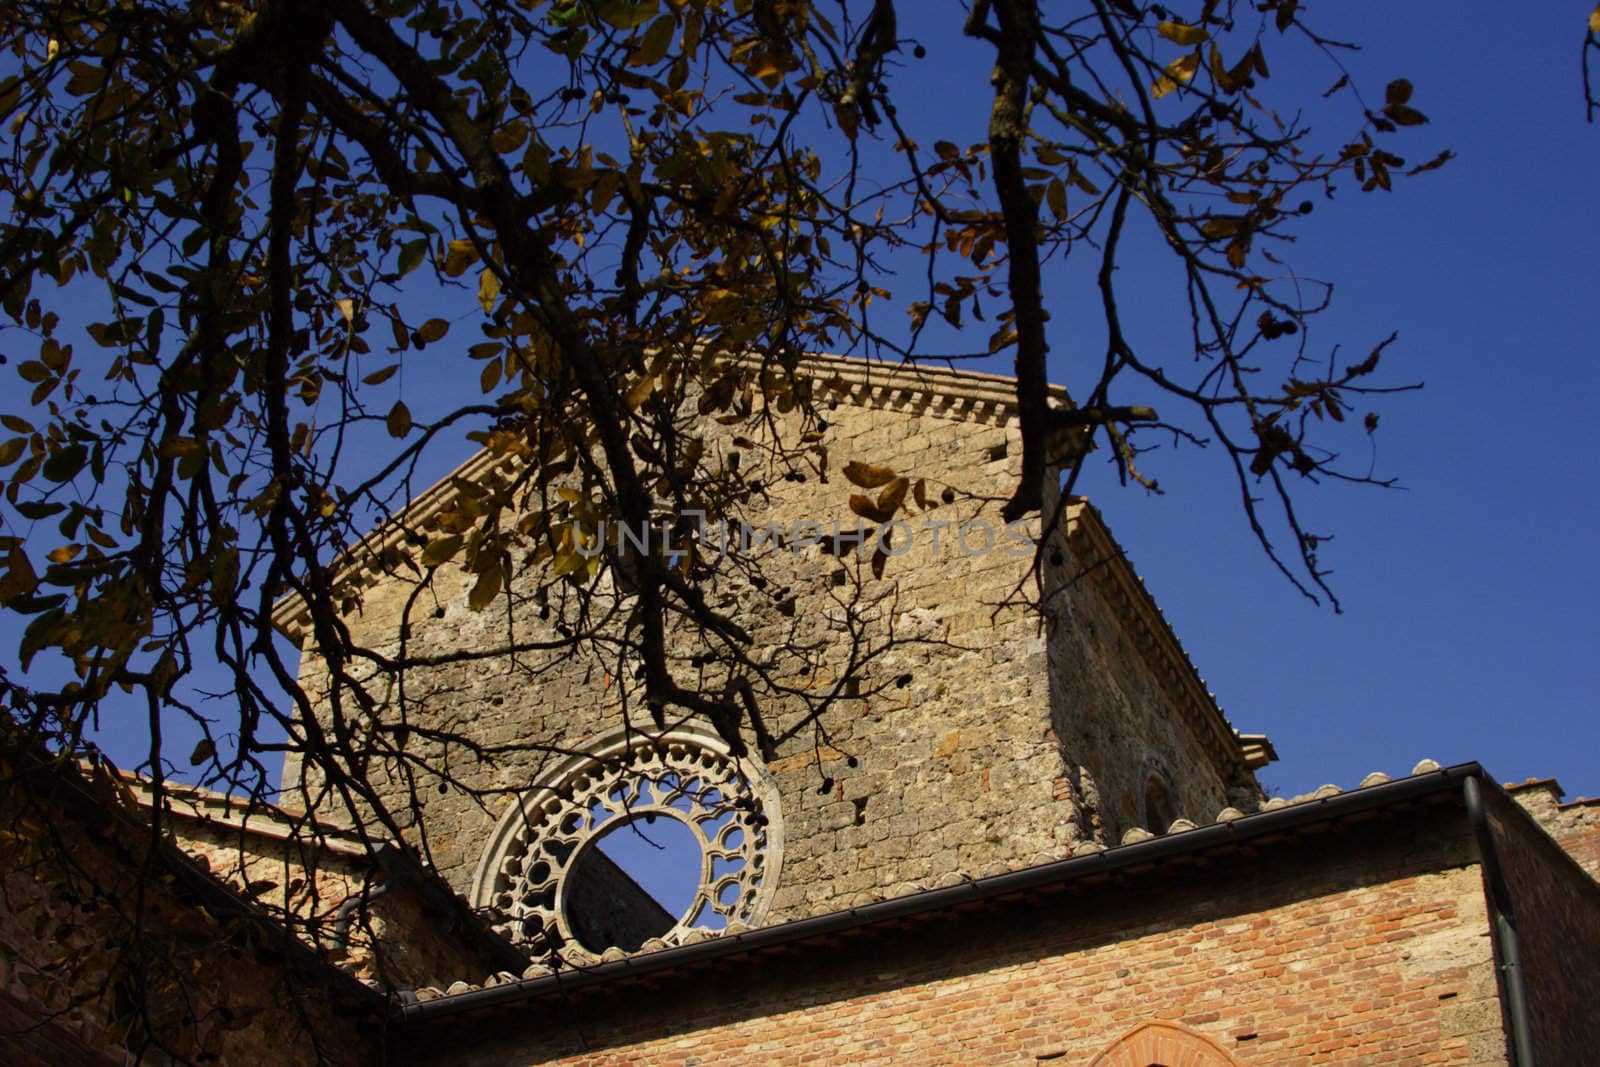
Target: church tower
{"x":931,"y":711}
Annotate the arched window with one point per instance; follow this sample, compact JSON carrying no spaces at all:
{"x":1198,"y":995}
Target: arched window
{"x":1159,"y":812}
{"x":1163,"y":1045}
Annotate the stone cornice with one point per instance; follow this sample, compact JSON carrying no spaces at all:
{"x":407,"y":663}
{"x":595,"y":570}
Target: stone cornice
{"x":917,"y":389}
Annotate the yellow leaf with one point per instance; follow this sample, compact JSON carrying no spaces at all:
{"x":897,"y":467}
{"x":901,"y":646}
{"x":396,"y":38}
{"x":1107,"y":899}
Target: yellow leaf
{"x":868,"y":476}
{"x":1055,"y":195}
{"x":867,"y":508}
{"x":625,"y":14}
{"x":65,"y":553}
{"x":653,"y":48}
{"x":347,"y":308}
{"x":890,"y":499}
{"x":768,"y":70}
{"x":1404,"y":115}
{"x":459,"y":255}
{"x":1004,"y":337}
{"x":1183,"y":68}
{"x":441,"y":550}
{"x":398,"y":421}
{"x":488,"y":290}
{"x":1179,"y":33}
{"x":1594,"y":19}
{"x":509,"y":138}
{"x":1180,"y":70}
{"x":485,"y":589}
{"x":640,"y":391}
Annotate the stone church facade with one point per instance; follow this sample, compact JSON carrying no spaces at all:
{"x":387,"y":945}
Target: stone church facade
{"x":1022,"y":831}
{"x":981,"y":731}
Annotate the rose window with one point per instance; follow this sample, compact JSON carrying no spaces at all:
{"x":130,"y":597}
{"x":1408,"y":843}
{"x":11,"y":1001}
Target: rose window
{"x":638,"y":840}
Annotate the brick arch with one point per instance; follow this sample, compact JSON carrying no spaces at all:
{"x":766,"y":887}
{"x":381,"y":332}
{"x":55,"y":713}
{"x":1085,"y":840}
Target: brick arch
{"x":1166,"y":1045}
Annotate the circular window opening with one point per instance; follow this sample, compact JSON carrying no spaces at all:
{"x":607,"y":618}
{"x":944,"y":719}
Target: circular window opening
{"x":636,"y":880}
{"x":639,"y":840}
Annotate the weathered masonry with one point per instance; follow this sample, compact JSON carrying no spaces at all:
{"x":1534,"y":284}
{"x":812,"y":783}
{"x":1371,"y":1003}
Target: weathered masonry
{"x":995,"y":819}
{"x":989,"y":732}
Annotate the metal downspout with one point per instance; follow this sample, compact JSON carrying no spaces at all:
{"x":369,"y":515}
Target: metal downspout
{"x":1507,"y":951}
{"x":347,"y":912}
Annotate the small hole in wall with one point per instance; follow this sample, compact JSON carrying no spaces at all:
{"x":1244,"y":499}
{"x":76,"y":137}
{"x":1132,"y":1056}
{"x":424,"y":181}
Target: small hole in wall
{"x":998,"y":451}
{"x":861,"y":810}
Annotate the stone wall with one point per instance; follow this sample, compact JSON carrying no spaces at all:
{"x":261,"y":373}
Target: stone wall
{"x":1362,"y":942}
{"x":961,"y":738}
{"x":26,"y":1037}
{"x":1574,"y":825}
{"x":182,"y":967}
{"x":349,"y":906}
{"x":278,"y":860}
{"x":1129,"y":709}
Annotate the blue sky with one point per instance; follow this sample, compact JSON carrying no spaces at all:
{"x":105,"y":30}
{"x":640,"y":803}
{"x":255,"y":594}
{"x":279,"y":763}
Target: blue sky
{"x":1467,"y":631}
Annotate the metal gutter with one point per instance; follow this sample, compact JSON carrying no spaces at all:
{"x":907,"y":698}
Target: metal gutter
{"x":1509,"y":973}
{"x":929,"y":902}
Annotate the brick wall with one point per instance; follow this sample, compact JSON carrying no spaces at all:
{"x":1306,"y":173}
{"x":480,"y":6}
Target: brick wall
{"x":1363,"y":944}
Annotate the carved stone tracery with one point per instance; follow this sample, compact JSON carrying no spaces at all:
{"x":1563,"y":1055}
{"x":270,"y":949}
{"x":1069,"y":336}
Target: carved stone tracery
{"x":633,"y":780}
